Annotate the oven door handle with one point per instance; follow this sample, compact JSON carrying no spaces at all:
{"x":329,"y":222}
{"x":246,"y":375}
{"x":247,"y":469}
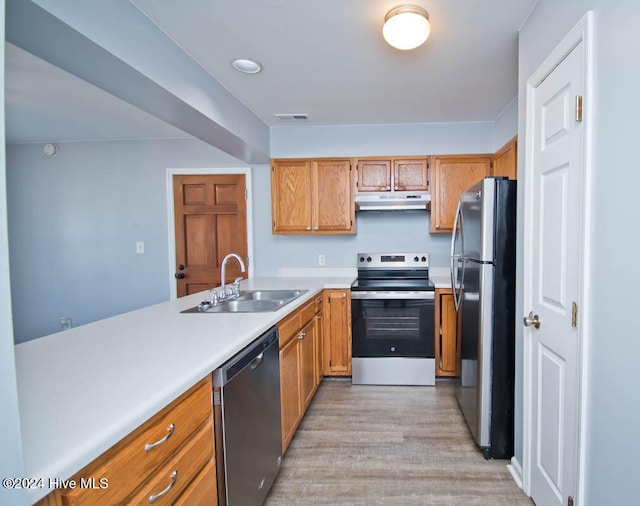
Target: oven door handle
{"x":393,"y":295}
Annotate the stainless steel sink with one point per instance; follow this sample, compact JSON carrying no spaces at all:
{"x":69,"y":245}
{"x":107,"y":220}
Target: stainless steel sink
{"x":270,"y":294}
{"x":252,"y":301}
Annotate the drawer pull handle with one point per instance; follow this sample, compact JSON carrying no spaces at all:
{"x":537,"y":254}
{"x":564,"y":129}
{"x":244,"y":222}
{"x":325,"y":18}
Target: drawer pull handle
{"x":174,"y":477}
{"x":149,"y":446}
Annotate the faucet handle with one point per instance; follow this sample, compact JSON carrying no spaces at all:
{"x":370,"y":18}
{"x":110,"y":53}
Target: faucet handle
{"x":236,"y":286}
{"x":214,"y":297}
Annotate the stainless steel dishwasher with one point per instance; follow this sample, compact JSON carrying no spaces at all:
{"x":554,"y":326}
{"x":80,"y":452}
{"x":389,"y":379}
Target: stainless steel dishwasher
{"x":248,"y":426}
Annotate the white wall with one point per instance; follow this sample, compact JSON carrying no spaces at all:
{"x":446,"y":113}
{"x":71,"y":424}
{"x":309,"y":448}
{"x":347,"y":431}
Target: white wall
{"x":506,"y":125}
{"x":11,"y":463}
{"x":75,"y":218}
{"x":612,"y":435}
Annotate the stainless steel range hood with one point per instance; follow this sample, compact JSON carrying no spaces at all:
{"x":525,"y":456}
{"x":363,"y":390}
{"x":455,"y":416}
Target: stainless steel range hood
{"x":406,"y":201}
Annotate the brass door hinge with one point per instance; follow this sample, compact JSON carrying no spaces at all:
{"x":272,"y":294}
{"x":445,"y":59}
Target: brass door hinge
{"x":570,"y":501}
{"x":578,"y":108}
{"x":574,"y":314}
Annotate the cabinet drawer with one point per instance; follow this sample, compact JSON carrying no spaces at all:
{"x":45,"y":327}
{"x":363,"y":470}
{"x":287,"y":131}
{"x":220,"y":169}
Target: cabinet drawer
{"x":167,"y":483}
{"x":289,"y":326}
{"x":127,"y":464}
{"x":307,"y":312}
{"x":202,"y":490}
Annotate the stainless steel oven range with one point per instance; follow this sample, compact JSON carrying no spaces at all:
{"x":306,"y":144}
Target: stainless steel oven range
{"x":392,"y":325}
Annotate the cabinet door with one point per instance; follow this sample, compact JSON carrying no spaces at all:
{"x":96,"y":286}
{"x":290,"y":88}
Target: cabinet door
{"x":306,"y":342}
{"x":333,"y":205}
{"x":291,"y":196}
{"x":411,"y":175}
{"x":319,"y":368}
{"x":452,"y":176}
{"x":374,"y":175}
{"x":289,"y":390}
{"x":447,"y":356}
{"x":505,"y":160}
{"x":337,"y":336}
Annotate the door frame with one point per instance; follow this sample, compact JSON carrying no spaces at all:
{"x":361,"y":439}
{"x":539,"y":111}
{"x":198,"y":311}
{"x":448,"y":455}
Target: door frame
{"x":583,"y":32}
{"x":171,"y":217}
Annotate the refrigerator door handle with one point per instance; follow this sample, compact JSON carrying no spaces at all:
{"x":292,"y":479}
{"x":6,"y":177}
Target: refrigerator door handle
{"x":455,"y":260}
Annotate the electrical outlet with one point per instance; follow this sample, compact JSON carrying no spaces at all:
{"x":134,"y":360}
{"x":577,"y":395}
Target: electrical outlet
{"x":322,"y":260}
{"x":140,"y":247}
{"x":65,"y":322}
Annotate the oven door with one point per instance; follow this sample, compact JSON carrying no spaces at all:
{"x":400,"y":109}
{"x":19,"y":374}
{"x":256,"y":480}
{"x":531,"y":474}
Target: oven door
{"x":393,"y":324}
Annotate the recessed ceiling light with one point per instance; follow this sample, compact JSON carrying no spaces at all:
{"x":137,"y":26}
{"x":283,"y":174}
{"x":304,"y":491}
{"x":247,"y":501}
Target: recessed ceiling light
{"x":246,"y":65}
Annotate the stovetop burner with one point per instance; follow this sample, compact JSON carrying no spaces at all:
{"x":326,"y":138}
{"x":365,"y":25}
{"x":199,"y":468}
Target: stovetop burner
{"x":393,"y":272}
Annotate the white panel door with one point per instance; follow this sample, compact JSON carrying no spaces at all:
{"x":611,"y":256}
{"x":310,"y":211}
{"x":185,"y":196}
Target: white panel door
{"x":552,"y":259}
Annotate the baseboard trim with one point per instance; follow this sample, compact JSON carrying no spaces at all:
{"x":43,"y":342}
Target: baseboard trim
{"x":516,"y":471}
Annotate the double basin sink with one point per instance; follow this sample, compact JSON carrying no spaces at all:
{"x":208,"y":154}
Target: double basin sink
{"x":250,"y":301}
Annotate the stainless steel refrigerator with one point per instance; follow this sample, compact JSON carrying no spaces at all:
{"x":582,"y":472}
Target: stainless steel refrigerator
{"x":483,"y":277}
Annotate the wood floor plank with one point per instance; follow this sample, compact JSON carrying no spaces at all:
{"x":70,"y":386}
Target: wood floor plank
{"x":362,"y":445}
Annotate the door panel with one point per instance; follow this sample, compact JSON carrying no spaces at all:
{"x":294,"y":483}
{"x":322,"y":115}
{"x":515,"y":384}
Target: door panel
{"x":210,"y":222}
{"x":334,"y":195}
{"x":552,"y":255}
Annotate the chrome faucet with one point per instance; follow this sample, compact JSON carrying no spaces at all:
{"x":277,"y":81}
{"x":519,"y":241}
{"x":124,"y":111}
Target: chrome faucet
{"x":223,"y":272}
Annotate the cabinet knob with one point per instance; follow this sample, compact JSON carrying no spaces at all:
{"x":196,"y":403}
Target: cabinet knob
{"x":388,"y":187}
{"x":395,"y":187}
{"x":308,"y":228}
{"x":315,"y":228}
{"x":302,"y":336}
{"x":437,"y":226}
{"x":344,"y":295}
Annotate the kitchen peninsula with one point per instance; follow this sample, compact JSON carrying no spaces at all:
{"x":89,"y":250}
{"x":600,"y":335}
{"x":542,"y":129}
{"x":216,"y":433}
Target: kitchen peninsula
{"x":83,"y":390}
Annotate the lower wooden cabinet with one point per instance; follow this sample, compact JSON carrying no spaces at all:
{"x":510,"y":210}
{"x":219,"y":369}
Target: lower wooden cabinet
{"x":167,"y":457}
{"x":337,"y":332}
{"x":447,"y":350}
{"x":300,"y":372}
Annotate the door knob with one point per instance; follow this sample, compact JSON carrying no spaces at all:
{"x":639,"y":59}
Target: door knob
{"x":179,"y":275}
{"x":532,"y":320}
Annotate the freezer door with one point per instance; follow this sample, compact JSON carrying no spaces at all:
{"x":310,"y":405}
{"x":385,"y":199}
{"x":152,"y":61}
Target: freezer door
{"x":477,"y":210}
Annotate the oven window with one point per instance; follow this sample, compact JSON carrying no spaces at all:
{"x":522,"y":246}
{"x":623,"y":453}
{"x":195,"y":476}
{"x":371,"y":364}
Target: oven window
{"x":391,"y":327}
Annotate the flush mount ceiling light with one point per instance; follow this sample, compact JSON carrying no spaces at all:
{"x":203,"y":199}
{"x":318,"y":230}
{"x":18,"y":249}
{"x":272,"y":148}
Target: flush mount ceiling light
{"x":406,"y":26}
{"x":246,"y":65}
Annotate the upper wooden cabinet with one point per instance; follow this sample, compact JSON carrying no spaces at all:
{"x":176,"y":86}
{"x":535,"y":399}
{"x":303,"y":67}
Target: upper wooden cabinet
{"x":312,"y":196}
{"x":392,"y":174}
{"x":452,"y":175}
{"x":505,"y":161}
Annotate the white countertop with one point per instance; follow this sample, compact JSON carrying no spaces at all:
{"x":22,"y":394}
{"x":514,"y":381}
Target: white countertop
{"x":82,"y":390}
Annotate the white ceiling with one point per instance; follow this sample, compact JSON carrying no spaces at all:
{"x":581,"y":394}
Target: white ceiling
{"x":326,"y":58}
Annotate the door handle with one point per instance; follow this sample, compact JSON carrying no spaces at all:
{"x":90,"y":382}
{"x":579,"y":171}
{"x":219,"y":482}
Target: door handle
{"x":179,"y":275}
{"x":532,"y":320}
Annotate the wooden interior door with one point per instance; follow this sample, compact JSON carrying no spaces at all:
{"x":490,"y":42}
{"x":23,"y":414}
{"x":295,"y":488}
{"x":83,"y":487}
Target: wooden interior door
{"x":210,"y":222}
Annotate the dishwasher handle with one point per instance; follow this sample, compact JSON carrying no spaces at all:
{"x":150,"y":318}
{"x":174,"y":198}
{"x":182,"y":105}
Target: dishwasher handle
{"x":257,"y":361}
{"x":251,"y":356}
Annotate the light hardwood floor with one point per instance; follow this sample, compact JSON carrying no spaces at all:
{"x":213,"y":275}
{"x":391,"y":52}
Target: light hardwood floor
{"x":361,"y":445}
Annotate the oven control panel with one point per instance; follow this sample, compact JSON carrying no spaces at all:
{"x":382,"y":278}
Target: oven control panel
{"x":401,"y":260}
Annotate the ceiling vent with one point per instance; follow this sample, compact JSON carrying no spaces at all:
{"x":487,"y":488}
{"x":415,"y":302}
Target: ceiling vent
{"x":293,"y":116}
